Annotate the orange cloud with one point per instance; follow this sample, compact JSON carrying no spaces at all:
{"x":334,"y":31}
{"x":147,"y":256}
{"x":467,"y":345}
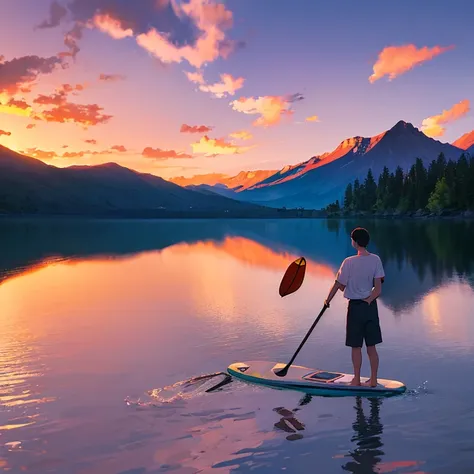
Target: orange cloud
{"x":30,"y":126}
{"x":396,"y":60}
{"x":16,"y":107}
{"x":86,"y":115}
{"x":110,"y":25}
{"x":196,"y":77}
{"x":241,"y":135}
{"x":111,"y":77}
{"x":80,"y":154}
{"x":60,"y":97}
{"x":211,"y":20}
{"x":75,"y":154}
{"x":228,"y":86}
{"x":91,"y":141}
{"x":433,"y":126}
{"x":2,"y":132}
{"x":119,"y":148}
{"x":313,"y":118}
{"x":40,"y":154}
{"x":217,"y":146}
{"x":270,"y":108}
{"x":194,"y":128}
{"x":159,"y":154}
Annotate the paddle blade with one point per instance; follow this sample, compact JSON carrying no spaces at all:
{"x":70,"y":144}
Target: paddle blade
{"x":281,"y":372}
{"x":293,"y":277}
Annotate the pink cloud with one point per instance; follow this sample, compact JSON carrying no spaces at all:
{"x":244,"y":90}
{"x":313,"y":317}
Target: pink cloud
{"x":194,"y":128}
{"x":396,"y":60}
{"x":159,"y":154}
{"x":196,"y":77}
{"x":112,"y":26}
{"x":210,"y":19}
{"x":270,"y":109}
{"x":433,"y":126}
{"x":119,"y":148}
{"x":111,"y":77}
{"x":228,"y":85}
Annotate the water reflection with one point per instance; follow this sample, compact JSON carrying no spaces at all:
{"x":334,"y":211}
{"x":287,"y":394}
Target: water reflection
{"x":419,"y":256}
{"x":368,"y":439}
{"x":112,"y":300}
{"x":289,"y":422}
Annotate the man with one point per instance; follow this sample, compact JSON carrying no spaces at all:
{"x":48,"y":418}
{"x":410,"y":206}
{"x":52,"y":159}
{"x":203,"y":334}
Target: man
{"x":360,"y":277}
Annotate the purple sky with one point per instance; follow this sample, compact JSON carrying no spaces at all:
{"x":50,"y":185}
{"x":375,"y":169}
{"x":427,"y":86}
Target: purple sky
{"x":259,"y":71}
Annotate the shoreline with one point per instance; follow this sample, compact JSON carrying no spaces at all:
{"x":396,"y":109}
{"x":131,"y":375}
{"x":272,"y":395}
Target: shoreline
{"x":469,"y":215}
{"x":444,"y":215}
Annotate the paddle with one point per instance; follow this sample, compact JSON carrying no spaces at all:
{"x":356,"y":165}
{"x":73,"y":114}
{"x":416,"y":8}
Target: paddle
{"x":291,"y":281}
{"x":293,"y":277}
{"x":284,"y":371}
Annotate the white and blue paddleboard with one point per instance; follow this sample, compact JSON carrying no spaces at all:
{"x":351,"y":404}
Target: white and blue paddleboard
{"x":310,"y":380}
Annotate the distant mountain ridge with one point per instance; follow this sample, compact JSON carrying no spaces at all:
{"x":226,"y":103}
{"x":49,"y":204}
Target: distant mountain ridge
{"x":239,"y":182}
{"x":28,"y":185}
{"x":322,"y":179}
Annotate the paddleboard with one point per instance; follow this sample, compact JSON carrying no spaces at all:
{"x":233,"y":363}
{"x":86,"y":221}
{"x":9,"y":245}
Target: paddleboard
{"x":308,"y":380}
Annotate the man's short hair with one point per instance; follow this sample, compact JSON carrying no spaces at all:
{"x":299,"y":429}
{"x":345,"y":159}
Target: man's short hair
{"x":360,"y":236}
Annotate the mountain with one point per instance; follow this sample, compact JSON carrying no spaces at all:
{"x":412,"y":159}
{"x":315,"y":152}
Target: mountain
{"x":466,"y":141}
{"x":219,"y":189}
{"x":29,"y":185}
{"x":323,"y":179}
{"x":241,"y":181}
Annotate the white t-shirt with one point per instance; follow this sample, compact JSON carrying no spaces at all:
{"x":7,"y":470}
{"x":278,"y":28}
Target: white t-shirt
{"x":357,"y":274}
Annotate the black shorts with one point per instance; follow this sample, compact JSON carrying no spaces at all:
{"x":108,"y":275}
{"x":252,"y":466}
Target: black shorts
{"x":362,"y":324}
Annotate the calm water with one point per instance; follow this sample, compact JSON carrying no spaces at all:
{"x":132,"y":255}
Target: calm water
{"x":101,"y":321}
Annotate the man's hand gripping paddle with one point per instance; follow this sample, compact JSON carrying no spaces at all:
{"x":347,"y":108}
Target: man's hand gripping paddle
{"x":291,"y":282}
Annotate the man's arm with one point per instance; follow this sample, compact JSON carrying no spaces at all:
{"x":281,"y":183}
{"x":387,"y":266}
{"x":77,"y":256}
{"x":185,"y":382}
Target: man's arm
{"x":340,"y":282}
{"x":333,"y":291}
{"x":376,"y":290}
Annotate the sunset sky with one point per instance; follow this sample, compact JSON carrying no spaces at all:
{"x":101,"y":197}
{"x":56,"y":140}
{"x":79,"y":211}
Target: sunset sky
{"x":189,"y":87}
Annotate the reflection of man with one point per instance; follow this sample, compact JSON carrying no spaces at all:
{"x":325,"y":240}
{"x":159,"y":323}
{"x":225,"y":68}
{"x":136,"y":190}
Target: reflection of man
{"x":367,"y":437}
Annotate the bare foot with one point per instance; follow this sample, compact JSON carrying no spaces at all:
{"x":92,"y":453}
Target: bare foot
{"x":370,"y":383}
{"x":355,"y":382}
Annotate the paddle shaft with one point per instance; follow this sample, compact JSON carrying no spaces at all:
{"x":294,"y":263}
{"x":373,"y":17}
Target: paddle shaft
{"x":284,"y":371}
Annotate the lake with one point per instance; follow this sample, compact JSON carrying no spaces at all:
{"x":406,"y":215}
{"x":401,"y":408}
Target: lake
{"x":105,"y":322}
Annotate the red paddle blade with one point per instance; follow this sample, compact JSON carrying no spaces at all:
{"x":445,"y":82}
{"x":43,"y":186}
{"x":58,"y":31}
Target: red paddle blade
{"x":293,"y":277}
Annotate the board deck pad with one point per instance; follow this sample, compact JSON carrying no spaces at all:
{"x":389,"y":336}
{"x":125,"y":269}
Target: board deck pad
{"x":306,"y":379}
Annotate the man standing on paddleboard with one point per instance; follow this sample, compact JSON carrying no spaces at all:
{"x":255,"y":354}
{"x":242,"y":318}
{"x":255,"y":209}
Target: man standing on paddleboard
{"x":360,"y":277}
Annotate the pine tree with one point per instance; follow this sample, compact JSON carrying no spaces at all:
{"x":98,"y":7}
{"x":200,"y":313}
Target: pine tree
{"x":356,"y":195}
{"x":421,"y":180}
{"x":370,"y":191}
{"x":443,"y":184}
{"x":440,"y":197}
{"x":383,"y":189}
{"x":348,"y":197}
{"x":461,"y":190}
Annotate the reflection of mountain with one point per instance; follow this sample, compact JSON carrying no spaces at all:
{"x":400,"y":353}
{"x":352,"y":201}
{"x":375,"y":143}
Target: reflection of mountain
{"x":418,"y":256}
{"x":253,"y":253}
